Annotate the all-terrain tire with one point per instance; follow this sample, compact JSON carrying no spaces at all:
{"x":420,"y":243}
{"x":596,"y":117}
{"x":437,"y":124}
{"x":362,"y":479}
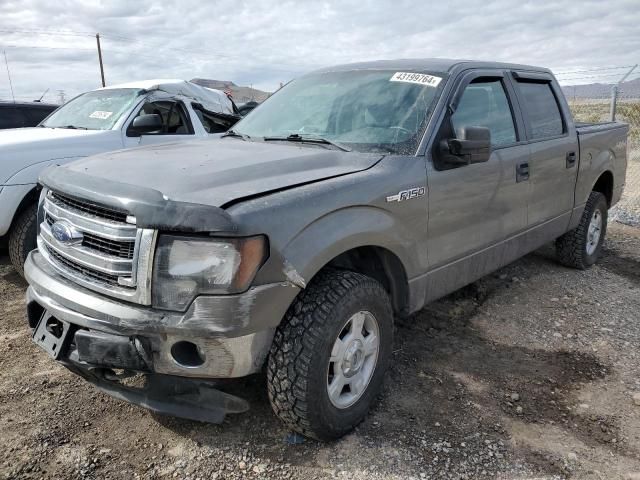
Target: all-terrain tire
{"x":22,"y":237}
{"x":297,"y":368}
{"x":571,"y":248}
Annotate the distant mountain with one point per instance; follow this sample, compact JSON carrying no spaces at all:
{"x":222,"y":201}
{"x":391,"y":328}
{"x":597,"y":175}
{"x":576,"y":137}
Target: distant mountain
{"x":239,"y":94}
{"x":630,"y":89}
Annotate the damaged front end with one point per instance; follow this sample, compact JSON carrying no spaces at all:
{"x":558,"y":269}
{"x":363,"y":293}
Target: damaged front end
{"x":155,"y":302}
{"x":123,"y":367}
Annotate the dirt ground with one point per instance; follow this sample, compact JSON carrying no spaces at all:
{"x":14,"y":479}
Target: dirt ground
{"x":528,"y":373}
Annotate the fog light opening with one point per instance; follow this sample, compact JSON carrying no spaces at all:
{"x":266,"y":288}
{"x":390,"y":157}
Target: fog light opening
{"x":187,"y":354}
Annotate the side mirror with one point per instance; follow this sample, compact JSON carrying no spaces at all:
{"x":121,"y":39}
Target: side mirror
{"x":148,"y":123}
{"x":472,"y":145}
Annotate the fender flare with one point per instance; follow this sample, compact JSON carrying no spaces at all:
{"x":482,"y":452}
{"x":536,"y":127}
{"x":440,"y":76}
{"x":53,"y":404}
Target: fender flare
{"x":345,"y":229}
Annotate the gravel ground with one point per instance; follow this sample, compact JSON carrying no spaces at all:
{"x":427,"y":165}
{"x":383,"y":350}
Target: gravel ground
{"x":531,"y":372}
{"x":528,"y":373}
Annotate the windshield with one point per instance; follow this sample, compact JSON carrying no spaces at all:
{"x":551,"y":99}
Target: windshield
{"x":364,"y":110}
{"x":97,"y":110}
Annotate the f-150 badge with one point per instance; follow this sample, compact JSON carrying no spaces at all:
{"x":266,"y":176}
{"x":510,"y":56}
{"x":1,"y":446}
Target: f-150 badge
{"x":403,"y":195}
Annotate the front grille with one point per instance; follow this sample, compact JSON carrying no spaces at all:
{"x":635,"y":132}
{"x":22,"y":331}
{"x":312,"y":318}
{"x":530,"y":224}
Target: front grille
{"x":112,"y":247}
{"x":87,"y":272}
{"x":117,"y":248}
{"x":96,"y":247}
{"x":108,"y":213}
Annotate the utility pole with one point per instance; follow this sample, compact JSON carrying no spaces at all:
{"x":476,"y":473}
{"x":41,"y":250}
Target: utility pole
{"x":9,"y":75}
{"x":100,"y":59}
{"x":614,"y":93}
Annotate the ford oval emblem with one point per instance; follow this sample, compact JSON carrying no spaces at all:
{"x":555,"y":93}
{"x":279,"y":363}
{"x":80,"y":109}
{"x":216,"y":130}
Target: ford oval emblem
{"x":65,"y":233}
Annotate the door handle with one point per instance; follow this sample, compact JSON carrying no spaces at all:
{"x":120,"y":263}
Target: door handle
{"x":522,"y":172}
{"x":571,"y":159}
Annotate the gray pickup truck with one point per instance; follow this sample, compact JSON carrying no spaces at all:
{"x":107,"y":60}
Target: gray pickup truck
{"x":354,"y":195}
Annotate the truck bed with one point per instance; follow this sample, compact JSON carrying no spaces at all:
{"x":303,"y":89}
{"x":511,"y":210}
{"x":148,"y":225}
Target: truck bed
{"x":591,"y":127}
{"x":603,"y":147}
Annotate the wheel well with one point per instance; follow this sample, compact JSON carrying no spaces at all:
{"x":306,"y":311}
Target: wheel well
{"x":604,"y":185}
{"x":381,"y":264}
{"x":28,"y":200}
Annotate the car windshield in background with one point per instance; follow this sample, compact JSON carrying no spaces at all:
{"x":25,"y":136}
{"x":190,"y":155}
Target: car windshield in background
{"x":364,"y":110}
{"x":97,"y":110}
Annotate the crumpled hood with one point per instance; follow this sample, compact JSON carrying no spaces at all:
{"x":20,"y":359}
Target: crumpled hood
{"x":215,"y":172}
{"x":21,"y":147}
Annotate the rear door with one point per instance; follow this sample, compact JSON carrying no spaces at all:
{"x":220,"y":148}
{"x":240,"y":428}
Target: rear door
{"x":554,"y":147}
{"x":474,"y":206}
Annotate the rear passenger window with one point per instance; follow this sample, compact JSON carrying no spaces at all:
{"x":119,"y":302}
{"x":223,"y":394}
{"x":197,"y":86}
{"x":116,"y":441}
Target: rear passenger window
{"x":541,"y":109}
{"x":213,"y":122}
{"x":484,"y":103}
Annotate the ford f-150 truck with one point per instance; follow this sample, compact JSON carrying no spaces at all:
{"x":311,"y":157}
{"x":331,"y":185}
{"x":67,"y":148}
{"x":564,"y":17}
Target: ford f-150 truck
{"x":111,"y":118}
{"x":352,"y":196}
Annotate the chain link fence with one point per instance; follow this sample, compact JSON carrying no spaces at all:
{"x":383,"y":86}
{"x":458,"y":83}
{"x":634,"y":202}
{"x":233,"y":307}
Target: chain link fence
{"x":596,"y":106}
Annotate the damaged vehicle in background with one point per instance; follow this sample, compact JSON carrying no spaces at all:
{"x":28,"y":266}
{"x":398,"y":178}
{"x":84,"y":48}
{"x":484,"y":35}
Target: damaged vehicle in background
{"x":111,"y":118}
{"x":351,"y":196}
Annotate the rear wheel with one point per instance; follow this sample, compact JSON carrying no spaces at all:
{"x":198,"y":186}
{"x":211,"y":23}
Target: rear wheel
{"x":582,"y":246}
{"x":329,"y":356}
{"x":22,"y":238}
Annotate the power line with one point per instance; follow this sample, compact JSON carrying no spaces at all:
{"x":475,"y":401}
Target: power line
{"x":205,"y":56}
{"x":179,"y":50}
{"x":64,"y":33}
{"x":571,"y":72}
{"x":291,"y":68}
{"x":593,"y":76}
{"x":45,"y":47}
{"x":119,"y":52}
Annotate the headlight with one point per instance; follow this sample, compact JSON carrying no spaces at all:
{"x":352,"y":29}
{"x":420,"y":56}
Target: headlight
{"x":186,"y":267}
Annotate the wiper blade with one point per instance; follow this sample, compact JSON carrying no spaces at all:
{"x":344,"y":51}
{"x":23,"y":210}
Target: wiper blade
{"x":74,"y":127}
{"x":231,"y":133}
{"x":295,"y":137}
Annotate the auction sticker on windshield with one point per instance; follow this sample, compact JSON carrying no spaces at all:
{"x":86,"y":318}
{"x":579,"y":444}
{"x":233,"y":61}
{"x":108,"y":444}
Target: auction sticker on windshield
{"x":102,"y":115}
{"x":419,"y":78}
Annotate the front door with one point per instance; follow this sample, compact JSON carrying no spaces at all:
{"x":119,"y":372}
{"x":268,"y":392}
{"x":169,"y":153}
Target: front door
{"x":475,"y":206}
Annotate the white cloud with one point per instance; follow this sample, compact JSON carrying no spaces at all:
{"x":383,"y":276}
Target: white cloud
{"x":265,"y":42}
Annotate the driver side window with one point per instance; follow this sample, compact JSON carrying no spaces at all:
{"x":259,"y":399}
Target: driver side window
{"x":484,"y":103}
{"x":175,"y":120}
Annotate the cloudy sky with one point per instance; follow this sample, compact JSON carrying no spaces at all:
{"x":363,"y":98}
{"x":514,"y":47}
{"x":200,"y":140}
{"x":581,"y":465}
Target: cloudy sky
{"x":52,"y":44}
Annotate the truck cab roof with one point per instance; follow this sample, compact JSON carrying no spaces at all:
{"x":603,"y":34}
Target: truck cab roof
{"x":432,"y":65}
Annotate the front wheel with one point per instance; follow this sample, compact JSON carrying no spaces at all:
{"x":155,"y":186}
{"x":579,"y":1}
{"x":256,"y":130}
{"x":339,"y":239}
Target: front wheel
{"x":22,"y":238}
{"x":329,"y":356}
{"x":581,"y":247}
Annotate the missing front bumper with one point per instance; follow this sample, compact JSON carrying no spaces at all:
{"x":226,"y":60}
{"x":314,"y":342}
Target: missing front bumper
{"x":122,"y":367}
{"x":167,"y":395}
